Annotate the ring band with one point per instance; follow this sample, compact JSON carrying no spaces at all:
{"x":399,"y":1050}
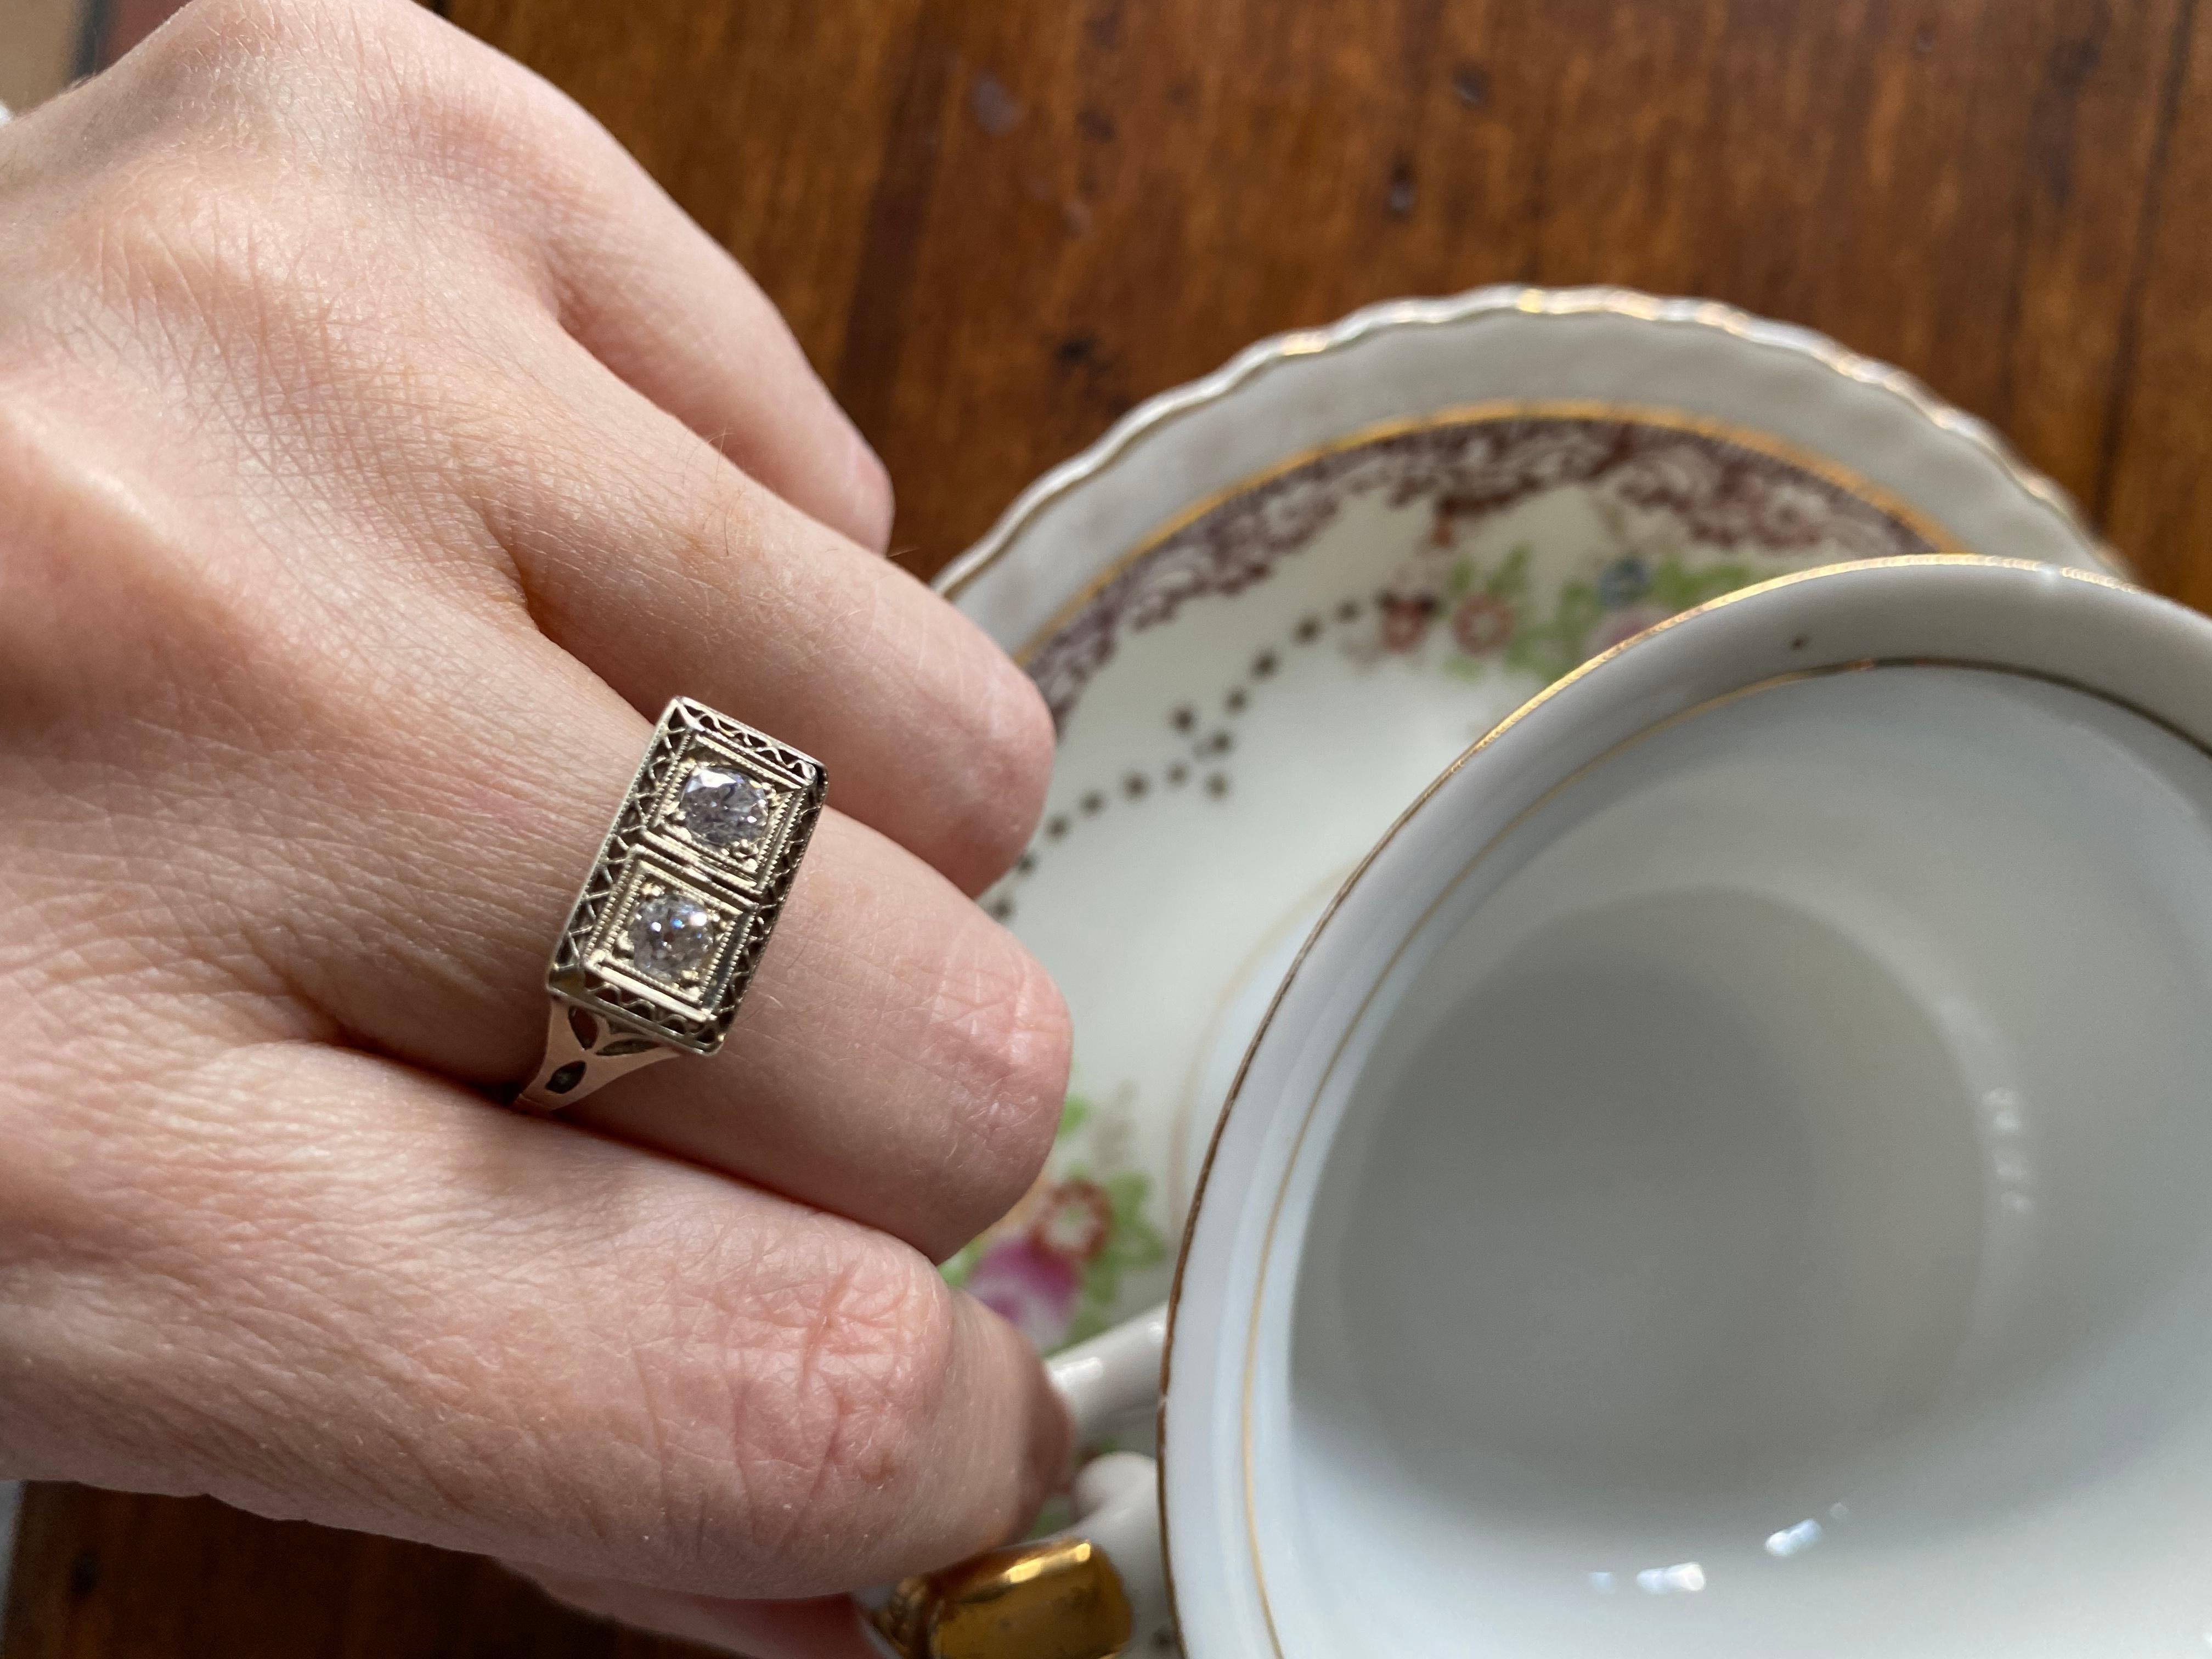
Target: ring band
{"x":669,"y":926}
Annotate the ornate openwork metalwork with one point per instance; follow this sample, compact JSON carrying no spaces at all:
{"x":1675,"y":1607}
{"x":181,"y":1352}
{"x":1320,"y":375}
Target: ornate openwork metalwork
{"x":670,"y":924}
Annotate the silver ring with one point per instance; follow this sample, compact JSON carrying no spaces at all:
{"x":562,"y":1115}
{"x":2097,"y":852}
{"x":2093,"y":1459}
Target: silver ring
{"x":669,"y":927}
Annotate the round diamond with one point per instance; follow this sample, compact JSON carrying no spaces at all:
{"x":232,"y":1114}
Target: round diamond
{"x":722,"y":809}
{"x":672,"y":936}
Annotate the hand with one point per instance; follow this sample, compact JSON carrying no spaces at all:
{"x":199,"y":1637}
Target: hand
{"x":378,"y":451}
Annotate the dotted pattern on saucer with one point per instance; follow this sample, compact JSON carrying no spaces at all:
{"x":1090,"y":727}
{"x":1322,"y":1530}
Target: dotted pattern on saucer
{"x":1202,"y":761}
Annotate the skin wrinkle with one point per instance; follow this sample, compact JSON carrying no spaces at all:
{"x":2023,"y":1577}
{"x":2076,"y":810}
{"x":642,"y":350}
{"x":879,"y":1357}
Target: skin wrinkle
{"x":286,"y":1340}
{"x":668,"y":1498}
{"x":294,"y":487}
{"x":1015,"y":1035}
{"x":222,"y":600}
{"x":335,"y":358}
{"x":218,"y":885}
{"x":732,"y":550}
{"x":555,"y":491}
{"x":969,"y":1188}
{"x":813,"y":1352}
{"x":91,"y":934}
{"x":357,"y":368}
{"x":297,"y":848}
{"x":403,"y":1257}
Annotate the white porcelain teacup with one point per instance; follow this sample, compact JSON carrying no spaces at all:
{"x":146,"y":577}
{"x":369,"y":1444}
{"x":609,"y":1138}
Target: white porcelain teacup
{"x":1726,"y":1177}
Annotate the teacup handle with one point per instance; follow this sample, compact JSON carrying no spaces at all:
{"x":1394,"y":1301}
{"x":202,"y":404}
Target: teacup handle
{"x":1091,"y":1590}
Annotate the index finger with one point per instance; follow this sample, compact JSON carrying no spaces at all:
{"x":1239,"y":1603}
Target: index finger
{"x":631,"y":276}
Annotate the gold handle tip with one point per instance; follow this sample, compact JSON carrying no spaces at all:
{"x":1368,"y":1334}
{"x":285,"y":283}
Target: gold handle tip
{"x":1060,"y":1599}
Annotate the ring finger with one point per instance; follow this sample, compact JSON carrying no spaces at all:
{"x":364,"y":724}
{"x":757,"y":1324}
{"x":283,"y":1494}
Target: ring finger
{"x":899,"y":1058}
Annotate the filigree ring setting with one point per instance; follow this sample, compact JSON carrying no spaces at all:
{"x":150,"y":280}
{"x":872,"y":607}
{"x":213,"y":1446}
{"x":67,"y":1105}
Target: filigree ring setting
{"x":668,"y":928}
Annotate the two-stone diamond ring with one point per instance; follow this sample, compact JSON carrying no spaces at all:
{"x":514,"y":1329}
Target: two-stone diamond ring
{"x":670,"y":924}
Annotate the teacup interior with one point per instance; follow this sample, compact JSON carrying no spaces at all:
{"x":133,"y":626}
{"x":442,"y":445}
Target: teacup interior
{"x":1776,"y":1220}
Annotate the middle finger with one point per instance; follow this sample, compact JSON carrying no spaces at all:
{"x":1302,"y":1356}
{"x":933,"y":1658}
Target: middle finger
{"x":668,"y":572}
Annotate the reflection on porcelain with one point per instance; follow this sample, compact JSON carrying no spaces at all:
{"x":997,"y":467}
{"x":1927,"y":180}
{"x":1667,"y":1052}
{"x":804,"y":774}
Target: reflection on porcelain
{"x":1794,"y":1539}
{"x":1687,"y":1576}
{"x":1626,"y":1168}
{"x":1849,"y":1386}
{"x":1606,"y":1250}
{"x":1268,"y":608}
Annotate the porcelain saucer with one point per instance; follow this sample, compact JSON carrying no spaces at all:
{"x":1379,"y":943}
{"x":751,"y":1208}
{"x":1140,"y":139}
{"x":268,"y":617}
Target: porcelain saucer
{"x":1268,"y":608}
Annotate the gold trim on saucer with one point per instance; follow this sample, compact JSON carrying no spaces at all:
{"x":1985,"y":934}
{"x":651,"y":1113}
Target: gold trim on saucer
{"x":1061,"y":1599}
{"x":1939,"y":541}
{"x":1168,"y":407}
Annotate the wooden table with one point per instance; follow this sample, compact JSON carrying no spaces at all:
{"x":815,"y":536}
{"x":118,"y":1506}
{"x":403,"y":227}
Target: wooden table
{"x":995,"y":224}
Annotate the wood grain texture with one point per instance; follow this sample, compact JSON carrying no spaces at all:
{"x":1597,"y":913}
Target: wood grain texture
{"x":108,"y":1574}
{"x":995,"y":224}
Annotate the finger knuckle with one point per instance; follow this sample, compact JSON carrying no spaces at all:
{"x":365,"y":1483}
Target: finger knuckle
{"x":373,"y":90}
{"x":155,"y":248}
{"x":1007,"y":763}
{"x":212,"y":33}
{"x":88,"y":600}
{"x":225,"y":41}
{"x":1000,"y":1030}
{"x":498,"y":134}
{"x":858,"y":1365}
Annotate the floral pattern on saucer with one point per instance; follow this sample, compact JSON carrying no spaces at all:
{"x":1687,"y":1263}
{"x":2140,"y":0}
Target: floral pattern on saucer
{"x":1489,"y":614}
{"x":1722,"y":491}
{"x":1481,"y":556}
{"x":1054,"y":1267}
